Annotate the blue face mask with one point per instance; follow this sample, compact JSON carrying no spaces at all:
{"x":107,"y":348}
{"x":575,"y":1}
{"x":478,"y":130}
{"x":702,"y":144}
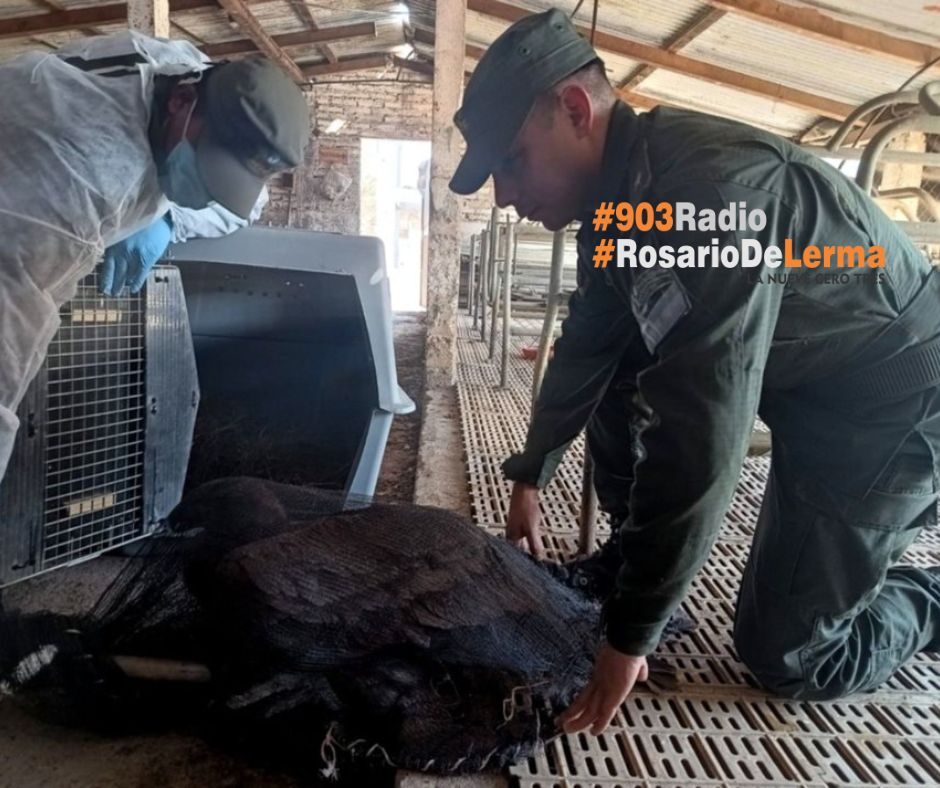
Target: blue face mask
{"x":179,"y":178}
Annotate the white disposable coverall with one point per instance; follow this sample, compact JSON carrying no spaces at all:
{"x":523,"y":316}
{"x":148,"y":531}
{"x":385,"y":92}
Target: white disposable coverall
{"x":76,"y":175}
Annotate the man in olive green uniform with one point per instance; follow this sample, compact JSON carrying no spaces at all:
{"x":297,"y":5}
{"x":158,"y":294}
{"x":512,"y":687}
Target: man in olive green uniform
{"x":847,"y":374}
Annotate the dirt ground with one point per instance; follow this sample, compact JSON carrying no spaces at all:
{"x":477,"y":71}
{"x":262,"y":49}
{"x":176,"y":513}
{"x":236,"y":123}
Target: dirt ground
{"x":397,"y":475}
{"x":42,"y":754}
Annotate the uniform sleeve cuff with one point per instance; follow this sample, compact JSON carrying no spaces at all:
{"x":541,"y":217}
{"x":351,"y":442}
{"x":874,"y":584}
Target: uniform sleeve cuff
{"x":520,"y":468}
{"x":637,"y":640}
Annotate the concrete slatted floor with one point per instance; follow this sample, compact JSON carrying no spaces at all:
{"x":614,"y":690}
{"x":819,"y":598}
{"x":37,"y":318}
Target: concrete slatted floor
{"x":717,"y":728}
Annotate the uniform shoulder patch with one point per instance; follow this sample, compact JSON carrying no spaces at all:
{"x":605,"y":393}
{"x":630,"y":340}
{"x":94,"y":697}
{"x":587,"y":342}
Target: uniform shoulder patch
{"x":658,"y":301}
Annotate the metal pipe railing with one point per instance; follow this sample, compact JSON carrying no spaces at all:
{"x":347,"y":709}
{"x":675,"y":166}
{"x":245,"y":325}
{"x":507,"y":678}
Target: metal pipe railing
{"x":470,"y":273}
{"x":900,"y":97}
{"x":507,"y":301}
{"x":924,"y":197}
{"x":918,"y":122}
{"x":494,"y":290}
{"x":481,"y":284}
{"x":494,"y":250}
{"x":551,"y":314}
{"x":888,"y":156}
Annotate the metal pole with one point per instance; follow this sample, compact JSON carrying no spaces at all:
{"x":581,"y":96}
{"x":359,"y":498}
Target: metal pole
{"x":902,"y":97}
{"x":481,"y":284}
{"x":470,"y":277}
{"x":888,"y":156}
{"x":494,"y":297}
{"x":587,"y":522}
{"x":494,"y":250}
{"x":551,"y":314}
{"x":507,"y":299}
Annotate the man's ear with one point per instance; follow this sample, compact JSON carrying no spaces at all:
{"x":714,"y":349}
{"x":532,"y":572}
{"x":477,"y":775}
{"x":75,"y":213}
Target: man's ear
{"x":181,"y":97}
{"x":577,"y":107}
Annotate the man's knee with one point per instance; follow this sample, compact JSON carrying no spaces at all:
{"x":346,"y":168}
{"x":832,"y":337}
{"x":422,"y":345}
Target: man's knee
{"x":774,"y":669}
{"x":797,"y":670}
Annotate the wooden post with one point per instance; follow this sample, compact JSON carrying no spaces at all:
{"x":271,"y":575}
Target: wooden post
{"x":444,"y":222}
{"x":150,"y":17}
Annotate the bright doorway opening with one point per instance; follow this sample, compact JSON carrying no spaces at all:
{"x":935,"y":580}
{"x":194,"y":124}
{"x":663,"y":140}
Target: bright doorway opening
{"x":393,"y":207}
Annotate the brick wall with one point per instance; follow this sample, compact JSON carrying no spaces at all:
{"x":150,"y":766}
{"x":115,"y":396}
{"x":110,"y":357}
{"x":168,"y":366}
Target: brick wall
{"x":371,"y":108}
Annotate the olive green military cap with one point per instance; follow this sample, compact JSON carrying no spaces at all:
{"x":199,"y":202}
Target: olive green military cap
{"x":530,"y":57}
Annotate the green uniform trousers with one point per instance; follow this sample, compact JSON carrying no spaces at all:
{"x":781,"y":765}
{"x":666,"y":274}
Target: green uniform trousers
{"x":823,"y":610}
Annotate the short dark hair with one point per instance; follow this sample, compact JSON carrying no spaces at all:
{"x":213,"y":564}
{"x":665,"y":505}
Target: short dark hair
{"x":592,"y":77}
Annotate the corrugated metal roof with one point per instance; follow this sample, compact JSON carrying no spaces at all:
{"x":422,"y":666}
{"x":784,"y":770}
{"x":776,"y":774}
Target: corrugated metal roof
{"x":798,"y":61}
{"x":649,"y":21}
{"x":703,"y":96}
{"x":736,"y":43}
{"x":483,"y":30}
{"x":918,"y":20}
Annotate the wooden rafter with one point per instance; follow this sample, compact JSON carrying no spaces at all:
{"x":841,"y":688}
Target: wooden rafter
{"x":689,"y":33}
{"x":671,"y":61}
{"x":305,"y":15}
{"x":78,"y":18}
{"x":246,"y":20}
{"x":422,"y":67}
{"x":810,"y":22}
{"x":55,"y":6}
{"x":323,"y":34}
{"x":354,"y":63}
{"x":426,"y":37}
{"x":186,"y":33}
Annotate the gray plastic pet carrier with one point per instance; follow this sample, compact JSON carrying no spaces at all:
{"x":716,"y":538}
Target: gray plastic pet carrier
{"x":293,"y":338}
{"x":105,"y":429}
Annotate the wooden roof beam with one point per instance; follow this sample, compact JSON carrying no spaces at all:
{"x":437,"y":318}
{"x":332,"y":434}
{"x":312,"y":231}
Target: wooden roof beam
{"x":323,"y":34}
{"x":418,"y":66}
{"x":305,"y":15}
{"x":77,"y":18}
{"x":689,"y":33}
{"x":354,"y":63}
{"x":238,"y":10}
{"x":671,"y":61}
{"x":426,"y":37}
{"x":56,"y":5}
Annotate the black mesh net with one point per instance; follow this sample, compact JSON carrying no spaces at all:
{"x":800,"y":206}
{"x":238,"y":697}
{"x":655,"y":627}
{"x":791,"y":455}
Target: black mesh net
{"x":286,"y":619}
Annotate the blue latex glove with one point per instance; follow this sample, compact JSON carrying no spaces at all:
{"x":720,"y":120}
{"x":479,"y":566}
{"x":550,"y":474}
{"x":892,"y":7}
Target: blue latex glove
{"x":129,"y":262}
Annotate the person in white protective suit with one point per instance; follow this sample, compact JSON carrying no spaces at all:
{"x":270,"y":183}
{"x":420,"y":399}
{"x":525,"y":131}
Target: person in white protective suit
{"x":94,"y":147}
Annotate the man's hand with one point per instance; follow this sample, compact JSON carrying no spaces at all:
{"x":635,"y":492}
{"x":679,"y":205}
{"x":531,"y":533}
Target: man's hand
{"x":613,"y":679}
{"x":524,"y":518}
{"x":129,"y":261}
